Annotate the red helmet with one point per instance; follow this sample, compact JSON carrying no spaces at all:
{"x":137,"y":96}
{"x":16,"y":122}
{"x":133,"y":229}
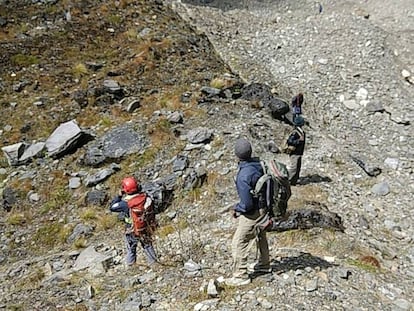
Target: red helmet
{"x":129,"y":185}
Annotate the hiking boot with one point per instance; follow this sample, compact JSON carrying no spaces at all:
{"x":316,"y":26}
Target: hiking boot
{"x":233,"y":281}
{"x":257,"y":268}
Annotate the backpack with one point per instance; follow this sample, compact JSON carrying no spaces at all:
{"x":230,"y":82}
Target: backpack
{"x":142,"y":213}
{"x":273,"y":188}
{"x":288,"y":148}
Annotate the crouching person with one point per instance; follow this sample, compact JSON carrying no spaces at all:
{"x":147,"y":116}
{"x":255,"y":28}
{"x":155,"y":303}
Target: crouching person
{"x":135,"y":208}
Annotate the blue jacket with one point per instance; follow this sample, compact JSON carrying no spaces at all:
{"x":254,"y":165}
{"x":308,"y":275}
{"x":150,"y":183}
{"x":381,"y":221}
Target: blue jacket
{"x":121,"y":206}
{"x":249,"y":173}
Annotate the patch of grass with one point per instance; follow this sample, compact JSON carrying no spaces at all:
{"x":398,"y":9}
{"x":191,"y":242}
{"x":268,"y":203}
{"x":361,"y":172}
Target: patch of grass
{"x":218,"y":83}
{"x":367,"y":263}
{"x":144,"y":159}
{"x":293,"y":237}
{"x":106,"y":222}
{"x":89,"y":214}
{"x":78,"y":307}
{"x":80,"y":243}
{"x":23,"y":186}
{"x":166,"y":230}
{"x":36,"y":276}
{"x":160,"y":132}
{"x":131,"y":34}
{"x":194,"y":195}
{"x":114,"y":19}
{"x":195,"y":295}
{"x":305,"y":194}
{"x":50,"y":235}
{"x":16,"y":219}
{"x":15,"y":307}
{"x":79,"y":70}
{"x":57,"y":199}
{"x":3,"y":162}
{"x":24,"y":60}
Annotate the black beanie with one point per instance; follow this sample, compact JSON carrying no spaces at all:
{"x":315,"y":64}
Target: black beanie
{"x":243,"y":149}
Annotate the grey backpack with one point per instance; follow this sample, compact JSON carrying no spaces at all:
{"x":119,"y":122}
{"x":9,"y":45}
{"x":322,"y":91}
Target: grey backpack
{"x":273,"y":188}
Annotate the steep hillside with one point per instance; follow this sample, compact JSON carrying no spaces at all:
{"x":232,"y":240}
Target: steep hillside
{"x":161,"y":90}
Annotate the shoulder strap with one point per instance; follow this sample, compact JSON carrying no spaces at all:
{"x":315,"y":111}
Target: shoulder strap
{"x":300,"y":131}
{"x":262,"y":180}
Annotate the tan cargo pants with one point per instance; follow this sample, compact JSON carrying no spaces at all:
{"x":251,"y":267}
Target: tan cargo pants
{"x":246,"y":234}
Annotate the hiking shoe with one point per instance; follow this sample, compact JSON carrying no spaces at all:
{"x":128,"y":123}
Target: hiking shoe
{"x":256,"y":268}
{"x":237,"y":281}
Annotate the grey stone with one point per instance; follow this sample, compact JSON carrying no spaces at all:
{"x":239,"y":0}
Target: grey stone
{"x":74,"y":183}
{"x":116,"y":143}
{"x":80,"y":230}
{"x":89,"y":257}
{"x":311,"y":285}
{"x":351,"y":104}
{"x":210,"y":91}
{"x":180,"y":163}
{"x":65,"y":137}
{"x":101,"y":175}
{"x":212,"y":288}
{"x":33,"y":151}
{"x":199,"y":135}
{"x":96,"y":197}
{"x":403,"y":304}
{"x":381,"y":189}
{"x":176,"y":117}
{"x":112,"y":86}
{"x":13,"y":153}
{"x":392,"y":163}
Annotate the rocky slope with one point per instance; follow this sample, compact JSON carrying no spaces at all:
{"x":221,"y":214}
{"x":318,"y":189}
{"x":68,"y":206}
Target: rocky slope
{"x":62,"y":250}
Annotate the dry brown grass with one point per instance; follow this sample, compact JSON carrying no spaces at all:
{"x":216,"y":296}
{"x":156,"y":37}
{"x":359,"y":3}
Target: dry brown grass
{"x":307,"y":193}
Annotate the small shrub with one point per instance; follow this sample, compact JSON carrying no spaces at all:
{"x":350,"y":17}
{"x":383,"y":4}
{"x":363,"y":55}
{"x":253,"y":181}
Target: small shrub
{"x":3,"y":162}
{"x":218,"y":83}
{"x":89,"y":214}
{"x":79,"y":70}
{"x":80,"y":243}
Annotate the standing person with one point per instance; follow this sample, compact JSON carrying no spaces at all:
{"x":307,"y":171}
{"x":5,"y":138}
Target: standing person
{"x":296,"y":146}
{"x":248,"y":215}
{"x":297,"y":102}
{"x":136,"y":210}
